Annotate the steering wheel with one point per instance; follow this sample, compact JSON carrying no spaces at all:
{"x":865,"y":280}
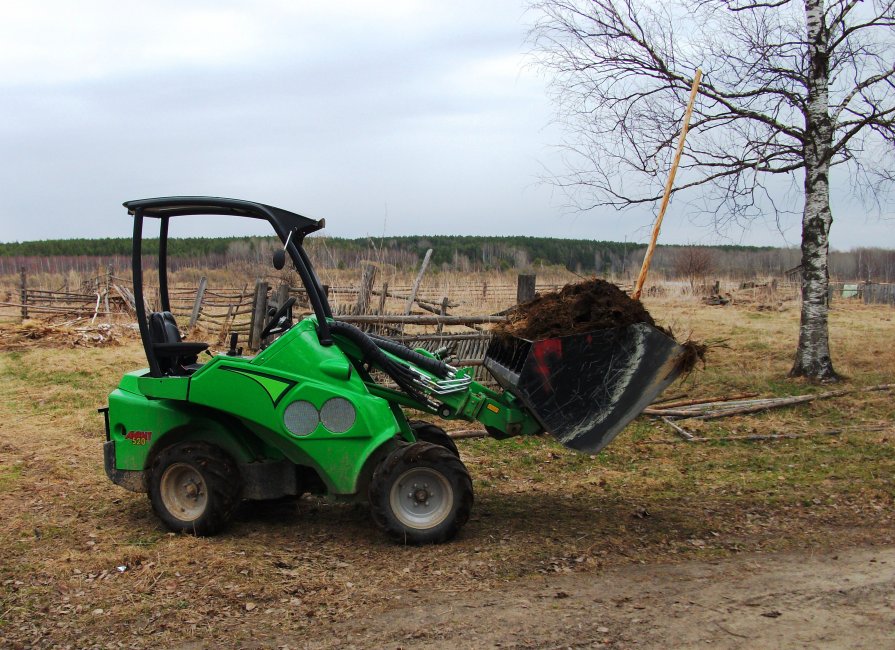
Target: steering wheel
{"x":275,"y":319}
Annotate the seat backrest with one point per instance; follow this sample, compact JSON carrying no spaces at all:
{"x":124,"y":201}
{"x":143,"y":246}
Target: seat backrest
{"x":163,"y":329}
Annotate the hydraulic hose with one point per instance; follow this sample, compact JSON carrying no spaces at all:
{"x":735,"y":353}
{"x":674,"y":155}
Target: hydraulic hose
{"x":437,"y":367}
{"x":401,"y":374}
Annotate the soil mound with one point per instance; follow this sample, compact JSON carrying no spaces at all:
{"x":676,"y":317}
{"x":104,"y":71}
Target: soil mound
{"x":584,"y":307}
{"x":581,"y":307}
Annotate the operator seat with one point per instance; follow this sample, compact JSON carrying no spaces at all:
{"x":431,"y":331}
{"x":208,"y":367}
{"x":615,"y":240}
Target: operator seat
{"x":174,"y":356}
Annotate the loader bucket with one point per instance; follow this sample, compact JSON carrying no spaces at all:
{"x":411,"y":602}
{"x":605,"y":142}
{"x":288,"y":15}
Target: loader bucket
{"x":585,"y":388}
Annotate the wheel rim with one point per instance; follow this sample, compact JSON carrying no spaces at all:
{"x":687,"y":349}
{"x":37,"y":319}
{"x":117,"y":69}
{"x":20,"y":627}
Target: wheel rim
{"x":184,"y":492}
{"x":421,"y":498}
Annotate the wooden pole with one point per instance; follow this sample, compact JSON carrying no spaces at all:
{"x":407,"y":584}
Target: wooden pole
{"x":416,"y":283}
{"x":444,"y":312}
{"x":382,"y":296}
{"x":368,"y":277}
{"x":197,"y":305}
{"x":259,"y":315}
{"x":677,"y":159}
{"x":282,"y":294}
{"x":525,"y":287}
{"x":24,"y":293}
{"x":107,"y":288}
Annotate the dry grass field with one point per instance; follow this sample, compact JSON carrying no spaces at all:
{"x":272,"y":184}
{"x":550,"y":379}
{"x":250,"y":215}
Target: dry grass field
{"x":85,"y":564}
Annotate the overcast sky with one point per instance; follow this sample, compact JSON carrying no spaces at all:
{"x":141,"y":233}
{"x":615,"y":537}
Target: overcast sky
{"x":391,"y":118}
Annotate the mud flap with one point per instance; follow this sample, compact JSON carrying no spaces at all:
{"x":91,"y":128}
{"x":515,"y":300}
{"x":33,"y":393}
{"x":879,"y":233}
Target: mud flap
{"x":585,"y":388}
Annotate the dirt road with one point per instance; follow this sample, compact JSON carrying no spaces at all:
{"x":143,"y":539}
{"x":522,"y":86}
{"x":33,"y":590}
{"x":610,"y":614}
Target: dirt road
{"x":840,"y":599}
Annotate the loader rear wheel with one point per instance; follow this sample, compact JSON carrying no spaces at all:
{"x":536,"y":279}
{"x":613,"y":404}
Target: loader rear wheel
{"x":421,"y":494}
{"x":427,"y":432}
{"x":194,"y":487}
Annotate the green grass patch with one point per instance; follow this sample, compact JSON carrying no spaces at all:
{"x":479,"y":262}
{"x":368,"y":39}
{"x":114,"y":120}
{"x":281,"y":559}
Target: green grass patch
{"x":10,"y":475}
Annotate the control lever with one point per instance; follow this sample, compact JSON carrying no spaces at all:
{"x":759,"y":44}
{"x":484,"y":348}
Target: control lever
{"x":234,"y":351}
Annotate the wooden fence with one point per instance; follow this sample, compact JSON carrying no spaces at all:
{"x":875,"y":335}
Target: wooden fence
{"x":871,"y":293}
{"x":878,"y":294}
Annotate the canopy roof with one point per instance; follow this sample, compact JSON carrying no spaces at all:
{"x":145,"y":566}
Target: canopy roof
{"x":175,"y":206}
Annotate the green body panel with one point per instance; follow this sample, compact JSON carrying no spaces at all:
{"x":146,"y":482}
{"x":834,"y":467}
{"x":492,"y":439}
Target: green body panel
{"x":249,"y":397}
{"x":137,"y":424}
{"x":164,"y":387}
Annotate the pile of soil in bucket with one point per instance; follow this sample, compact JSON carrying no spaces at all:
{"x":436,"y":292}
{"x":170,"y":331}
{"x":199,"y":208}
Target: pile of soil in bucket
{"x":584,"y":307}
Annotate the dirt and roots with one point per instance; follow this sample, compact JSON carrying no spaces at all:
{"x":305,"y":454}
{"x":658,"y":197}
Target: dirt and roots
{"x":587,"y":306}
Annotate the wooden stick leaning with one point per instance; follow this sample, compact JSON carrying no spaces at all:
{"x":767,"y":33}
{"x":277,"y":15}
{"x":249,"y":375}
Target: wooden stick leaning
{"x":641,"y":279}
{"x":416,"y":283}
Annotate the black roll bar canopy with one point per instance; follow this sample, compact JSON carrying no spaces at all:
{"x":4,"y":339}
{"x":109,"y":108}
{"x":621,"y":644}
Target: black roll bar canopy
{"x":284,"y":223}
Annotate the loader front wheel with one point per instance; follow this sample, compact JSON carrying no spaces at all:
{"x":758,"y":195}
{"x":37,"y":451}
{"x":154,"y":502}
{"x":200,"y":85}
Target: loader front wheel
{"x":194,"y":488}
{"x":427,"y":432}
{"x":421,"y":494}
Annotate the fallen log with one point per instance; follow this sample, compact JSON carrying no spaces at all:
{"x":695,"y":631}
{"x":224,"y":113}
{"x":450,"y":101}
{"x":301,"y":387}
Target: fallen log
{"x":770,"y":436}
{"x":422,"y":320}
{"x":707,"y":411}
{"x":669,"y":404}
{"x":468,"y":433}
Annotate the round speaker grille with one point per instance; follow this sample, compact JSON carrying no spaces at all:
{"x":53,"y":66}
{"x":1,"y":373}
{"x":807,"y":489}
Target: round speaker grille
{"x":301,"y":418}
{"x":338,"y":415}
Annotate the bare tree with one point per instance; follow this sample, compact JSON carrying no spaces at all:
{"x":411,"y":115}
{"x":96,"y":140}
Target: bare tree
{"x":789,"y":88}
{"x":693,"y":263}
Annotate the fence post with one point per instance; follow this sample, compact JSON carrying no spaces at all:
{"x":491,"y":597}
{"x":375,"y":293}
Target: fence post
{"x":24,"y":288}
{"x":200,"y":296}
{"x":259,"y":314}
{"x":525,"y":287}
{"x":107,"y":289}
{"x":382,"y":297}
{"x":282,"y":294}
{"x":366,"y":289}
{"x":444,"y":312}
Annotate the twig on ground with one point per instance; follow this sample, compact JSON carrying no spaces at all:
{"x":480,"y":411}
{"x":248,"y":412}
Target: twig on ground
{"x":686,"y":435}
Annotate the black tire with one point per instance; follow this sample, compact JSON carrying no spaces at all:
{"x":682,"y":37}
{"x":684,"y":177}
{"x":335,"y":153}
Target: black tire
{"x":432,"y":433}
{"x":421,"y":494}
{"x":194,"y":488}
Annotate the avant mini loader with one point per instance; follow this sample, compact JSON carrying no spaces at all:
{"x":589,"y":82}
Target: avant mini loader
{"x":306,"y":413}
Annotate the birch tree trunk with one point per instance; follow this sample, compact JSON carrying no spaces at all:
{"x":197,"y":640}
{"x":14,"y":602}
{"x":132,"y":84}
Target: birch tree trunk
{"x":813,"y":353}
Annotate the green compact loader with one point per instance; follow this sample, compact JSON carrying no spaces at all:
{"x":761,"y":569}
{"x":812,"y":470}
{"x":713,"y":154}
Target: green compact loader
{"x":322,"y":408}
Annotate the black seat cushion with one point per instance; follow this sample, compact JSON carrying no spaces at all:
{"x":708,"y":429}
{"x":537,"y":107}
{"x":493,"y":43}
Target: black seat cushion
{"x":173,"y":355}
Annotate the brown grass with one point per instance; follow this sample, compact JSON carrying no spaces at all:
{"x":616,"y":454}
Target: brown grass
{"x":287,"y":570}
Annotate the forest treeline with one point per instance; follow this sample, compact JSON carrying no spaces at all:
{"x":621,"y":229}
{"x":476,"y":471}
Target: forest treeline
{"x":457,"y":253}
